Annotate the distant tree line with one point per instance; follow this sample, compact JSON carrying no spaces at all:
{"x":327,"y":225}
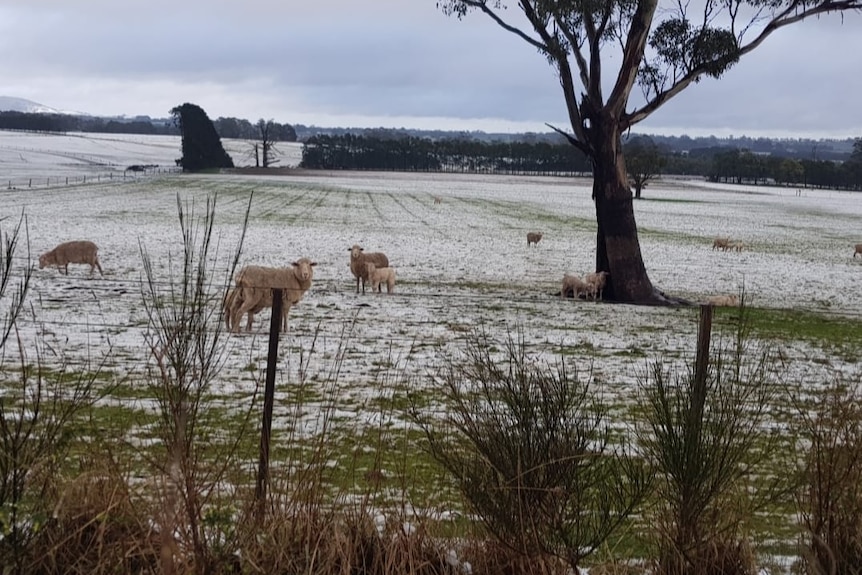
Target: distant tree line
{"x":38,"y":122}
{"x":743,"y":166}
{"x":225,"y":127}
{"x":408,"y":153}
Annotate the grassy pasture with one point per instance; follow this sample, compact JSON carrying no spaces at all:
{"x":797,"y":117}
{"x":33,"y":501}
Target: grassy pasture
{"x":349,"y":360}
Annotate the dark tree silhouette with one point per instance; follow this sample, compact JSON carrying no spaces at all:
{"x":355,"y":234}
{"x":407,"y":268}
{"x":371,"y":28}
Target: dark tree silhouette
{"x":201,"y":146}
{"x":644,"y":162}
{"x":265,"y":153}
{"x":665,"y":50}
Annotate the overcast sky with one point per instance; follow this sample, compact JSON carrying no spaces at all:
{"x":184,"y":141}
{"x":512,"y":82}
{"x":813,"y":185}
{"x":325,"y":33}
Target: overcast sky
{"x":389,"y":63}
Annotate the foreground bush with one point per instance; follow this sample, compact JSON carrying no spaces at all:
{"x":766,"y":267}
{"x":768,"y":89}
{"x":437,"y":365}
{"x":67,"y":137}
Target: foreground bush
{"x":528,"y":446}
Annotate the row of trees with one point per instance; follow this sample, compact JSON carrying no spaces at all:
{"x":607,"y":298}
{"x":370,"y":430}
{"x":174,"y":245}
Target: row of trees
{"x":644,"y":160}
{"x":225,"y":127}
{"x":356,"y":152}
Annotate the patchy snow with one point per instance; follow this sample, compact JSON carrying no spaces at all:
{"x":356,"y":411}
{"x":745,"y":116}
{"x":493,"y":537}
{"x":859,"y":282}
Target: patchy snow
{"x":462,"y":264}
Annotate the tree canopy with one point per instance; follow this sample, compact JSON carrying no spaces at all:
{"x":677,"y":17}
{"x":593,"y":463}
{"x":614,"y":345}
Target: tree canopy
{"x":601,"y":50}
{"x":201,"y":146}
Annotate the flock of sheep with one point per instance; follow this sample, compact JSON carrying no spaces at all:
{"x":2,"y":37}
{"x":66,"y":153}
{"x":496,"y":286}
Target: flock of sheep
{"x":254,"y":285}
{"x":252,"y":291}
{"x":727,"y":245}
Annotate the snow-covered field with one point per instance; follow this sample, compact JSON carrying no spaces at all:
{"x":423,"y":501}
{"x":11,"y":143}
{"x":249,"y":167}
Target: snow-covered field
{"x":461,"y":264}
{"x":40,"y":159}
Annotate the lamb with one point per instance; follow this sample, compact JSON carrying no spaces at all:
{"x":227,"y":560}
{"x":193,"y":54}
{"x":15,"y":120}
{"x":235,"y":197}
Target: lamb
{"x":378,"y":276}
{"x":358,"y":264}
{"x":254,"y":285}
{"x":534,"y":238}
{"x":75,"y":252}
{"x":858,"y":250}
{"x":438,"y":199}
{"x":721,"y":243}
{"x":573,"y":284}
{"x":597,"y":282}
{"x":723,"y":300}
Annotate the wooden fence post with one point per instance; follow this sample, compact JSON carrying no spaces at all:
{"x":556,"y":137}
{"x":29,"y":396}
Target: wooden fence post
{"x":268,"y":400}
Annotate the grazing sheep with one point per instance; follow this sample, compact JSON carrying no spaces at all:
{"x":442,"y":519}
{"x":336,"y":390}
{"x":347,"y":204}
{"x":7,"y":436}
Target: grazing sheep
{"x":534,"y":238}
{"x":438,"y":200}
{"x":254,"y":286}
{"x":597,"y":282}
{"x":76,"y":252}
{"x":378,"y":276}
{"x":723,"y":300}
{"x":358,"y":261}
{"x":858,"y":250}
{"x":575,"y":285}
{"x":721,"y":243}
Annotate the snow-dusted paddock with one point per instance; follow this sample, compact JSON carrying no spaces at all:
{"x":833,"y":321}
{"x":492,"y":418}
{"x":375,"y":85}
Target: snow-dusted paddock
{"x":462,"y":264}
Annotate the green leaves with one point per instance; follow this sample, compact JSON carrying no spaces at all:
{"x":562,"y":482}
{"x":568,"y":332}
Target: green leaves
{"x":711,"y":51}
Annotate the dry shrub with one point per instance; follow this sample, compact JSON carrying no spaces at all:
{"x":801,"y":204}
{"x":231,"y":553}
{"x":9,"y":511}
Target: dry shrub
{"x":95,"y":529}
{"x":493,"y":558}
{"x":707,"y":434}
{"x":831,"y":496}
{"x":527,"y":444}
{"x":315,"y":541}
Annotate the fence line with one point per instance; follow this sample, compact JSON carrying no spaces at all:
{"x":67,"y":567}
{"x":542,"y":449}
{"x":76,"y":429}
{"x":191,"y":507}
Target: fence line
{"x":127,"y":175}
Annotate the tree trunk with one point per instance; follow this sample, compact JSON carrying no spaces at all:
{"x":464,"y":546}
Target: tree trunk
{"x":617,"y":247}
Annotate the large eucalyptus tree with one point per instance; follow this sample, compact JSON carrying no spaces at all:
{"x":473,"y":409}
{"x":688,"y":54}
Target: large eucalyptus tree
{"x":663,"y":50}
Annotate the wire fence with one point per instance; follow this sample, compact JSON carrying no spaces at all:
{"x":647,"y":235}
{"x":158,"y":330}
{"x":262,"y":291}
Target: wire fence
{"x":132,"y":174}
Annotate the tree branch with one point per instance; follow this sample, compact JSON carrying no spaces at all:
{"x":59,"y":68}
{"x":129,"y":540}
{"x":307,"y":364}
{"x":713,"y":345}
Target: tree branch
{"x":789,"y":16}
{"x":483,"y":6}
{"x":632,"y":56}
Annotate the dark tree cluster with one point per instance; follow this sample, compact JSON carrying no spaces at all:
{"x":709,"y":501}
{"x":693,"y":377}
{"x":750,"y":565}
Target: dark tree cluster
{"x":244,"y":130}
{"x":38,"y":122}
{"x":201,"y":146}
{"x":744,"y":167}
{"x":357,"y":152}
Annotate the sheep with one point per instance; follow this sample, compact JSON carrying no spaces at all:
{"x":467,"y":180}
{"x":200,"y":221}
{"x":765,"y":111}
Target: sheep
{"x":721,"y":243}
{"x":534,"y":238}
{"x":858,"y":250}
{"x":75,"y":252}
{"x":438,"y":199}
{"x":358,"y":261}
{"x":573,"y":284}
{"x":736,"y":246}
{"x":232,"y":301}
{"x":597,"y":282}
{"x":723,"y":300}
{"x":254,"y":286}
{"x":378,"y":275}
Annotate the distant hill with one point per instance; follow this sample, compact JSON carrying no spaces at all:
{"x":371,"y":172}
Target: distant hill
{"x":12,"y":104}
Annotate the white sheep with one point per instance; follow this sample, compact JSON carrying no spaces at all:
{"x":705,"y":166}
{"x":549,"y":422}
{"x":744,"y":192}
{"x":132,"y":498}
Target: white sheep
{"x":596,"y":282}
{"x":378,"y":276}
{"x":254,"y":286}
{"x":723,"y":300}
{"x":438,"y":199}
{"x":358,"y":264}
{"x":721,"y":243}
{"x":858,"y":250}
{"x":534,"y":238}
{"x":75,"y":252}
{"x":232,"y":302}
{"x":575,"y":285}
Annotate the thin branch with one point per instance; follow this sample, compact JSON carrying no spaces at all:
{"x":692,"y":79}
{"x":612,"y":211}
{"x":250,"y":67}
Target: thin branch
{"x":482,"y":5}
{"x":785,"y":18}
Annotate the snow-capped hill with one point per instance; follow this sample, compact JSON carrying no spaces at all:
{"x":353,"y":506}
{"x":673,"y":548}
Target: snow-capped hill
{"x":11,"y":104}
